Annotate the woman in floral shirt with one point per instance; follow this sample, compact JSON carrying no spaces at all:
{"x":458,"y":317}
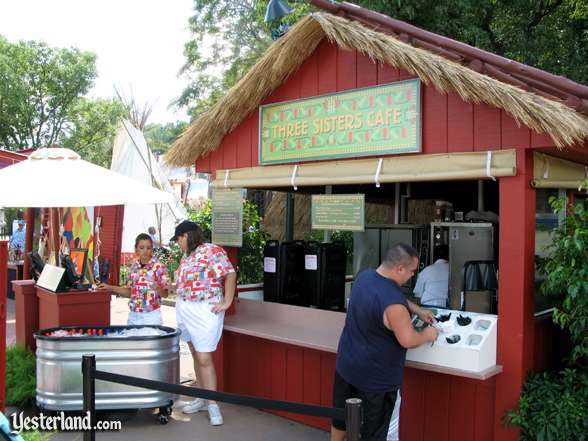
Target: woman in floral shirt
{"x":205,"y":288}
{"x":147,"y":283}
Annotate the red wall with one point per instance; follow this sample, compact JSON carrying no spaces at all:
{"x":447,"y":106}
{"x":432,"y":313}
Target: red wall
{"x":111,"y":237}
{"x":278,"y":371}
{"x":516,"y":327}
{"x":445,"y":407}
{"x":449,"y":124}
{"x":434,"y":406}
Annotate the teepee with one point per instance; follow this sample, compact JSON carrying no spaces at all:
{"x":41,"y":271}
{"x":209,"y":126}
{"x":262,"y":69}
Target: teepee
{"x":132,"y":157}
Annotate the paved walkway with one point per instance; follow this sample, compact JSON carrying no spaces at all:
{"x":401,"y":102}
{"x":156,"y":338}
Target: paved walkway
{"x":241,"y":423}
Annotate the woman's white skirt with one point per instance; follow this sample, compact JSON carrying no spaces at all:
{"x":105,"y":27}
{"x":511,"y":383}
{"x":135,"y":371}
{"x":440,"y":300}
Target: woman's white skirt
{"x":199,"y":325}
{"x":152,"y":318}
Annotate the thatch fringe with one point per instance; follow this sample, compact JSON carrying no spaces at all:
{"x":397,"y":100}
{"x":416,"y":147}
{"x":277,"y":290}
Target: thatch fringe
{"x":562,"y":123}
{"x":284,"y":57}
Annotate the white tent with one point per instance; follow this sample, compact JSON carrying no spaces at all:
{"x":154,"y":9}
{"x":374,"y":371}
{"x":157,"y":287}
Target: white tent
{"x":132,"y":157}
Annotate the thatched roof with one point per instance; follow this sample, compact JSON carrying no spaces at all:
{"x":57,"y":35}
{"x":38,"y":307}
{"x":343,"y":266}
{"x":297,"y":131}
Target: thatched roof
{"x":565,"y":125}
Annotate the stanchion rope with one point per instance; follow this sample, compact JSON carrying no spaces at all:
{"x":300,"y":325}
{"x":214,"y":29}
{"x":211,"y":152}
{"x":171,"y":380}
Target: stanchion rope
{"x":242,"y":400}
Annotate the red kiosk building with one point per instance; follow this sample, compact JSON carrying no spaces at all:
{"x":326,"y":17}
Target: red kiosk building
{"x":519,"y":125}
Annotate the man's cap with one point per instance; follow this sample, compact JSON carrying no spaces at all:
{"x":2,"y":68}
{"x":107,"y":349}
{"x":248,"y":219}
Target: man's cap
{"x":184,"y":227}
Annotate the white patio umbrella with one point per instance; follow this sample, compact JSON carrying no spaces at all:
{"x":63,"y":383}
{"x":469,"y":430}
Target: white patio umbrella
{"x":57,"y":177}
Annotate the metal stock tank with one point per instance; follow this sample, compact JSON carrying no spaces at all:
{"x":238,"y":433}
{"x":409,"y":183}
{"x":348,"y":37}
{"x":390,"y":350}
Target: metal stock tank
{"x":153,"y":357}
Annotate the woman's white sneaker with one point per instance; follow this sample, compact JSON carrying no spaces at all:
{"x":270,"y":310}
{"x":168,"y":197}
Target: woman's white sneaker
{"x":214,"y":413}
{"x":194,"y":406}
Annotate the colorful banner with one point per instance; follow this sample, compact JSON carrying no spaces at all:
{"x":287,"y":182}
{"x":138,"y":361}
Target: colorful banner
{"x":227,"y":217}
{"x":78,"y":230}
{"x":338,"y":212}
{"x":379,"y":120}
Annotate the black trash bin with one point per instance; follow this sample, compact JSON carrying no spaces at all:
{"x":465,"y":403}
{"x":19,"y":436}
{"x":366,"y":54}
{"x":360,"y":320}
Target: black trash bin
{"x":271,"y":285}
{"x":324,"y":275}
{"x":291,"y":272}
{"x":312,"y":276}
{"x":283,"y":268}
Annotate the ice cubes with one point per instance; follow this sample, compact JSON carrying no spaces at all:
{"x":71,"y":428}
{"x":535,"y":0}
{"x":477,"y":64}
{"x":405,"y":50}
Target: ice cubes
{"x":482,"y":325}
{"x":474,"y":340}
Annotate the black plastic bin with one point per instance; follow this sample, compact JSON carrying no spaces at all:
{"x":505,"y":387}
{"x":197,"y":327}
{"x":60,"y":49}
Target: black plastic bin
{"x":312,"y":277}
{"x":271,"y":285}
{"x":324,"y":275}
{"x":283,"y":272}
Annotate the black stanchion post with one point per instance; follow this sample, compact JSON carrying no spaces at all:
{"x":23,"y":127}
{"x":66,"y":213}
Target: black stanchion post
{"x":353,"y":418}
{"x":89,"y":393}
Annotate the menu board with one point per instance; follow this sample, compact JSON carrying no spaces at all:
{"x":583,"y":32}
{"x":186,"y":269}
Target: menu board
{"x":338,"y":212}
{"x":227,"y":217}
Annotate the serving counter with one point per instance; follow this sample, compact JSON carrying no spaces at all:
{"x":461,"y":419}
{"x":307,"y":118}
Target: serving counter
{"x":288,"y":352}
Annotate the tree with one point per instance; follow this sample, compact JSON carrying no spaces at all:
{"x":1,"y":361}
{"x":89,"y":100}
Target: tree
{"x":39,"y":85}
{"x":566,"y":275}
{"x":91,"y":128}
{"x":229,"y":36}
{"x":250,"y":255}
{"x":161,"y":136}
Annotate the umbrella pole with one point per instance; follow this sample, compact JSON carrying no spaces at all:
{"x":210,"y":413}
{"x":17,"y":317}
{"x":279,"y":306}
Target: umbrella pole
{"x":54,"y":241}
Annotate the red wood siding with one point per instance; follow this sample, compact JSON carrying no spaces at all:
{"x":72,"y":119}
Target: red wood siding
{"x":434,"y":406}
{"x":9,"y":158}
{"x":516,"y":280}
{"x":111,"y":237}
{"x":448,"y":123}
{"x":444,"y":407}
{"x":269,"y":369}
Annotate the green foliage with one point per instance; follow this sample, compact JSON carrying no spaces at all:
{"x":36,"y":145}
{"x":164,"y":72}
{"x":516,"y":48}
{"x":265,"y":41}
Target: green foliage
{"x":229,"y":36}
{"x":346,"y":237}
{"x":566,"y":274}
{"x":336,"y":236}
{"x":39,"y":85}
{"x":123,"y":275}
{"x":250,"y":255}
{"x":36,"y":436}
{"x":92,"y":128}
{"x":21,"y":381}
{"x":10,"y":214}
{"x":161,"y":136}
{"x":553,"y":407}
{"x":170,"y":257}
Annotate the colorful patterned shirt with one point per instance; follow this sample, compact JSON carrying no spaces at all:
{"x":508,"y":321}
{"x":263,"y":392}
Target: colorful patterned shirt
{"x":143,"y":281}
{"x":201,"y":274}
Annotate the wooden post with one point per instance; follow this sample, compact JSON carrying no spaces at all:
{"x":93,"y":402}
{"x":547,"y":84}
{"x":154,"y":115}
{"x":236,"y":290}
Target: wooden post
{"x":3,"y":281}
{"x":516,"y":290}
{"x":30,"y":220}
{"x":54,"y":236}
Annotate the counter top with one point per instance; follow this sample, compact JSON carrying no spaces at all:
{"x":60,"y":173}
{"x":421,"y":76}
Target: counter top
{"x":306,"y":327}
{"x":311,"y":328}
{"x":483,"y":375}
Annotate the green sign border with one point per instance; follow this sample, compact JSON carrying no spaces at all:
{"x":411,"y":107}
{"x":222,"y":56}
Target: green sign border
{"x":419,"y":127}
{"x":337,"y":227}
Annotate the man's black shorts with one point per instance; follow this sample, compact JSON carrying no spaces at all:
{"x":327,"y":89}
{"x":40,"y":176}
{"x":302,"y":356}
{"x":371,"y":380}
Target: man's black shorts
{"x":377,"y":409}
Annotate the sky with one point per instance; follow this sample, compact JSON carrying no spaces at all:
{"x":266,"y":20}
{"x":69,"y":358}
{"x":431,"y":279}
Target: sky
{"x":139,"y":43}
